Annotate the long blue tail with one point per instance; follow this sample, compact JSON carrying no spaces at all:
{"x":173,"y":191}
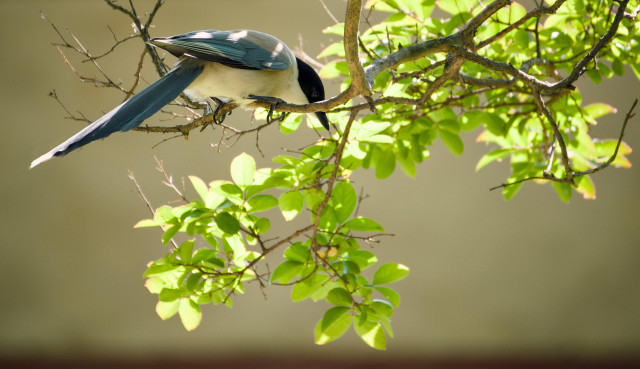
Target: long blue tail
{"x":132,"y":112}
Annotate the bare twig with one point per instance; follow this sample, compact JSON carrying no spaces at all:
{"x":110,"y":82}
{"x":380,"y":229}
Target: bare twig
{"x":148,"y":203}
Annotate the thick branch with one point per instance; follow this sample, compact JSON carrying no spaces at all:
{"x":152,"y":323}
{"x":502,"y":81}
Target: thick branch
{"x":359,"y":85}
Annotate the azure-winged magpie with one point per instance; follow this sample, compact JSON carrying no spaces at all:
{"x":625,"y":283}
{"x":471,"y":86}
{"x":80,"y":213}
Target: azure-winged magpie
{"x":240,"y":65}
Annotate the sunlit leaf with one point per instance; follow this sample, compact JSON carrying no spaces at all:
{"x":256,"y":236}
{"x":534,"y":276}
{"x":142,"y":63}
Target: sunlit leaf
{"x":286,"y":271}
{"x":344,"y":199}
{"x":260,"y":203}
{"x":339,"y":296}
{"x":389,"y":273}
{"x":200,"y":187}
{"x":371,"y":333}
{"x":363,"y":224}
{"x":389,"y":294}
{"x":291,"y":204}
{"x":166,"y":310}
{"x":492,"y":156}
{"x":335,"y":322}
{"x":452,"y":141}
{"x":597,"y":110}
{"x":242,"y":169}
{"x":190,"y":314}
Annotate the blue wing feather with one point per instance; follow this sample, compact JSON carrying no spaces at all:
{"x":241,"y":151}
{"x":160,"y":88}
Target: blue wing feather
{"x":132,"y":112}
{"x":226,"y":47}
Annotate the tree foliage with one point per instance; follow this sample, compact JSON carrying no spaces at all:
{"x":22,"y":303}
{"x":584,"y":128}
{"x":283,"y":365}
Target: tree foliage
{"x":429,"y":71}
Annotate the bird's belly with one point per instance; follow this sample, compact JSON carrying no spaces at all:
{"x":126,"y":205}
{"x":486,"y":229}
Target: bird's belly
{"x":218,"y":80}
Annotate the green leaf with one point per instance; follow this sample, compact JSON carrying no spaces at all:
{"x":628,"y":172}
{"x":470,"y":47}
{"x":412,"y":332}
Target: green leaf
{"x":362,"y":258}
{"x":334,"y":69}
{"x":227,"y":223}
{"x":346,"y":267}
{"x":229,"y":190}
{"x":511,"y":13}
{"x":306,"y":288}
{"x":328,"y":220}
{"x":313,"y":197}
{"x":389,"y":273}
{"x":146,"y":223}
{"x":389,"y":294}
{"x":336,"y":29}
{"x":495,"y":124}
{"x":383,"y":310}
{"x":163,"y":215}
{"x":362,"y":224}
{"x":287,"y":271}
{"x":563,"y":190}
{"x":522,"y":38}
{"x":618,"y":67}
{"x":452,"y":141}
{"x":190,"y":314}
{"x":235,"y":245}
{"x":335,"y":322}
{"x":336,"y":48}
{"x":262,"y":225}
{"x":213,"y":199}
{"x":169,"y":233}
{"x":597,"y":110}
{"x":207,"y":258}
{"x":291,"y":204}
{"x":290,"y":124}
{"x":344,"y":199}
{"x":201,"y":188}
{"x":455,"y":7}
{"x":594,"y":76}
{"x":509,"y":191}
{"x":260,"y":203}
{"x":371,"y":333}
{"x":385,"y":163}
{"x":193,"y":281}
{"x":492,"y":156}
{"x":172,"y":294}
{"x":298,"y":252}
{"x":339,"y":296}
{"x":186,"y":250}
{"x":243,"y":168}
{"x":166,"y":310}
{"x":471,"y":120}
{"x":586,"y":187}
{"x":160,"y":269}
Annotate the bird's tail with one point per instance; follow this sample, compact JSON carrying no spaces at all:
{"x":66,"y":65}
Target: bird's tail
{"x":132,"y":112}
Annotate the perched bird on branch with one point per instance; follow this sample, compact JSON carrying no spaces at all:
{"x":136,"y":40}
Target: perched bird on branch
{"x":241,"y":66}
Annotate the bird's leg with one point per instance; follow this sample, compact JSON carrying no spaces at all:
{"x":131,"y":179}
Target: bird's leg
{"x":220,"y":112}
{"x":273,"y":103}
{"x":219,"y":103}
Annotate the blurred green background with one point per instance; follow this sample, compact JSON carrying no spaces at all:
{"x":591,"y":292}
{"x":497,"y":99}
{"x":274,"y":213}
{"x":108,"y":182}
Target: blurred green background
{"x":533,"y":277}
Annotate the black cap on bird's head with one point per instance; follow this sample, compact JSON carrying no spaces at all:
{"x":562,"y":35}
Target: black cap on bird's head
{"x":313,"y":89}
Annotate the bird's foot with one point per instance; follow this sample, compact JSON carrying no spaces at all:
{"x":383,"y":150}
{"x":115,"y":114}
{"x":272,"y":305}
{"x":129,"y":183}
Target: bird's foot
{"x":222,"y":109}
{"x":273,"y":103}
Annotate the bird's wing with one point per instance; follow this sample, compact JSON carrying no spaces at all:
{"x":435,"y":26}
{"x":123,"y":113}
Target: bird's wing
{"x":244,"y":49}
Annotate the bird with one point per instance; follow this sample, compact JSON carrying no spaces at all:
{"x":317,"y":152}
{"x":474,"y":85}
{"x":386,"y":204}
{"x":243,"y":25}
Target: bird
{"x":240,"y":66}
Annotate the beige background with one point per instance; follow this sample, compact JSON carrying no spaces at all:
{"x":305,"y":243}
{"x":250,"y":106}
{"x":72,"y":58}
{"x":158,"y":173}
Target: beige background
{"x":531,"y":277}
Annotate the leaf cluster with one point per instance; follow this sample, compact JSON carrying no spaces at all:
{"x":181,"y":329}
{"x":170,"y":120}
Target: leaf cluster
{"x":418,"y":103}
{"x":228,"y":234}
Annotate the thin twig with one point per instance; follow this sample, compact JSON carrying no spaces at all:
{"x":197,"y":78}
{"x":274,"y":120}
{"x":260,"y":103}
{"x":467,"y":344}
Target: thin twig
{"x":148,"y":203}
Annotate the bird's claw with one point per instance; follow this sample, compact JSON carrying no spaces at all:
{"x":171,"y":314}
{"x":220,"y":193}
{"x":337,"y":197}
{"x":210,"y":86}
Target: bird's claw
{"x":222,"y":109}
{"x":273,"y":103}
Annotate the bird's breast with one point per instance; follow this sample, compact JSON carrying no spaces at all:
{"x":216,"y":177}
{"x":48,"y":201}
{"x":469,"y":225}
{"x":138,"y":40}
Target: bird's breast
{"x":221,"y":81}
